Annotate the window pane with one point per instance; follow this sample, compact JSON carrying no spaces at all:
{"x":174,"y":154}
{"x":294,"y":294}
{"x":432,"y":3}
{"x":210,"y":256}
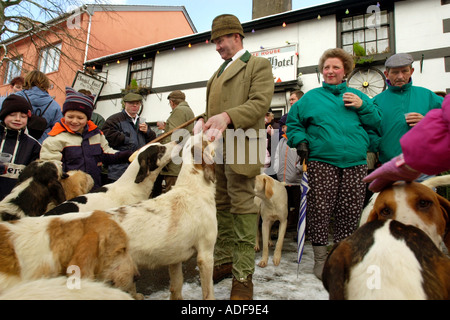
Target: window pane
{"x":371,"y":47}
{"x":358,"y":22}
{"x":347,"y":24}
{"x":383,"y":33}
{"x":349,"y":49}
{"x":359,"y":36}
{"x":14,"y":69}
{"x":371,"y":34}
{"x":383,"y":46}
{"x":347,"y":38}
{"x":383,"y":17}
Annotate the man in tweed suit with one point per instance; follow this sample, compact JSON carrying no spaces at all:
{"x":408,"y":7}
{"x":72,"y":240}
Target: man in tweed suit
{"x":238,"y":96}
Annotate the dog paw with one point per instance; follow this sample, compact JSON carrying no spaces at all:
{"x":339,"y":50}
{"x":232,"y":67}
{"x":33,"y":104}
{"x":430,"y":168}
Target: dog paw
{"x":257,"y":248}
{"x":276,"y":261}
{"x":138,"y":296}
{"x":262,"y":263}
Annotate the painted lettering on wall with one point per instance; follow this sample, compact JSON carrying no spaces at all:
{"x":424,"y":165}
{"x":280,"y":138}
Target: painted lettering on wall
{"x":283,"y":61}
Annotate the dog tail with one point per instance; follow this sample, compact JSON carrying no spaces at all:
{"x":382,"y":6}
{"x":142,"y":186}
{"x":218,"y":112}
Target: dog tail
{"x":437,"y":181}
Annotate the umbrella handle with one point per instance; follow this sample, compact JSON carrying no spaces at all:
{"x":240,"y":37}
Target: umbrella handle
{"x":304,"y":165}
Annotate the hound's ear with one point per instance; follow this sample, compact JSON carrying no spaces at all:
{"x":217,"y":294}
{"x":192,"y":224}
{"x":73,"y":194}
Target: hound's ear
{"x":336,"y":270}
{"x":47,"y":174}
{"x":209,"y":172}
{"x":445,"y":208}
{"x":268,"y":187}
{"x":28,"y":171}
{"x":57,"y":192}
{"x":86,"y":254}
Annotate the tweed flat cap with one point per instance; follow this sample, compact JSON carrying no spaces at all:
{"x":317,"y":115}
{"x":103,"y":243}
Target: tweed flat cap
{"x":131,"y":96}
{"x":226,"y":24}
{"x":177,"y":95}
{"x":399,"y":60}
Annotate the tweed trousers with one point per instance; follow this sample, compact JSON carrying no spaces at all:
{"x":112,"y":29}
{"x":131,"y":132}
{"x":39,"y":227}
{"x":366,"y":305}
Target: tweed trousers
{"x":237,"y":221}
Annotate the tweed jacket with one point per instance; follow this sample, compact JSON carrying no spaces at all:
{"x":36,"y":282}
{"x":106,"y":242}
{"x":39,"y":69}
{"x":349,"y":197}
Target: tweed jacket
{"x":181,"y":114}
{"x":246,"y":93}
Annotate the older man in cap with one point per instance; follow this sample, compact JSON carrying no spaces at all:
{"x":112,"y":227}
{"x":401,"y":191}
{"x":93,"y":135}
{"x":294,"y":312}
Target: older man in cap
{"x":402,"y":104}
{"x":238,"y":96}
{"x":124,"y":131}
{"x":181,"y":113}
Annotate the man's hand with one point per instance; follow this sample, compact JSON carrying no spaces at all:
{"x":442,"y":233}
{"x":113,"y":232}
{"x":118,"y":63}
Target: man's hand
{"x":216,"y":125}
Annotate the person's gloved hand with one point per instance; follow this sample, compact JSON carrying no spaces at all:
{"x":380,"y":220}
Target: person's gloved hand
{"x":123,"y":156}
{"x":388,"y":173}
{"x":303,"y":151}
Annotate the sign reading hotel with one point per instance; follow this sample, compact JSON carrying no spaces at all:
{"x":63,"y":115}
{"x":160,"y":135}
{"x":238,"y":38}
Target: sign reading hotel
{"x":283,"y":60}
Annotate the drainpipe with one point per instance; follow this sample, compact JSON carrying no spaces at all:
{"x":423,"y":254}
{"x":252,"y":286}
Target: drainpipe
{"x":88,"y":35}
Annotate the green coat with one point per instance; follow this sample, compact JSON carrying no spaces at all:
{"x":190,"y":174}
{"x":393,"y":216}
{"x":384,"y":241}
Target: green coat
{"x":179,"y":115}
{"x":246,"y":95}
{"x":394,"y":103}
{"x":336,"y":134}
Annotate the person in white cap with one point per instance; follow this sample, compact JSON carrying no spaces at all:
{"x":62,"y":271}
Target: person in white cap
{"x":402,"y":105}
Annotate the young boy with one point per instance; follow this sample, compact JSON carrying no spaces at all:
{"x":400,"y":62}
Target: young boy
{"x":77,"y":142}
{"x":15,"y":142}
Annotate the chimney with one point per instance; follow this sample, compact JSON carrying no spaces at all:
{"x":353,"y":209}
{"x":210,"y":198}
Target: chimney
{"x":262,"y":8}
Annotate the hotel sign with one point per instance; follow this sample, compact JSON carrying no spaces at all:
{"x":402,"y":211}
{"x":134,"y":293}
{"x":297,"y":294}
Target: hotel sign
{"x":283,"y":60}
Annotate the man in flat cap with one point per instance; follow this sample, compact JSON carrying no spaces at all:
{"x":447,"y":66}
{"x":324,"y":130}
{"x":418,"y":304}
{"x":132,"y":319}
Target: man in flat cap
{"x":402,"y":104}
{"x":124,"y":131}
{"x":239,"y":94}
{"x":181,"y":113}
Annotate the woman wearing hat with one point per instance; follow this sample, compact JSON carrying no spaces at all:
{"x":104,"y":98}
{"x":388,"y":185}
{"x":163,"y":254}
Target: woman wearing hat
{"x":17,"y":147}
{"x":77,"y":142}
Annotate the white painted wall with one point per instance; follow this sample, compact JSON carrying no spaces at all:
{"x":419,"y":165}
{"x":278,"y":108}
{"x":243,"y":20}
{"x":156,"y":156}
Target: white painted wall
{"x":418,"y":26}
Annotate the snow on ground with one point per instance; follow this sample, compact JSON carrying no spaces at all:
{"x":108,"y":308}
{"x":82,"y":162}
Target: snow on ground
{"x":270,"y":283}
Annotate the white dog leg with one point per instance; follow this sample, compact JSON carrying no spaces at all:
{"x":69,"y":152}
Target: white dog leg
{"x":176,"y":281}
{"x":279,"y":246}
{"x":265,"y":236}
{"x":205,"y":262}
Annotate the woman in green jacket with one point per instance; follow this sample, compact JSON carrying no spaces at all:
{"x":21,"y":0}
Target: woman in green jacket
{"x":328,"y":126}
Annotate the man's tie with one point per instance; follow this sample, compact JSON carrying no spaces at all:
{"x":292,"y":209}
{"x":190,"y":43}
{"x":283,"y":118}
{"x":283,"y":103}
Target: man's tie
{"x":222,"y":68}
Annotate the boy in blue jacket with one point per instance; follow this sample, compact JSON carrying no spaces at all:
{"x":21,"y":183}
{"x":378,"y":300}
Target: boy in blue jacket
{"x":21,"y":148}
{"x":77,"y":142}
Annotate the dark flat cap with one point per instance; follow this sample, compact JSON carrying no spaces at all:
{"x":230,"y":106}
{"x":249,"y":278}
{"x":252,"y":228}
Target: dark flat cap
{"x":399,"y":60}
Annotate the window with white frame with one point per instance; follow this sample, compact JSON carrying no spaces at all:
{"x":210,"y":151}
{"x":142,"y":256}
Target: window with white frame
{"x":49,"y":58}
{"x":142,"y":71}
{"x":13,"y":69}
{"x":371,"y":30}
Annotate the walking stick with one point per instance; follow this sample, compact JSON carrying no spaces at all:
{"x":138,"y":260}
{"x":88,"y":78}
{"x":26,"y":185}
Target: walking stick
{"x":165,"y":135}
